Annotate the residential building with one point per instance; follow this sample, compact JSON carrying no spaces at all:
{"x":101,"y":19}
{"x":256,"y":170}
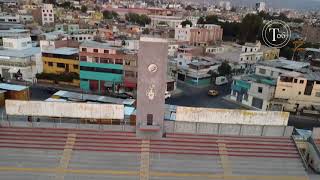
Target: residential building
{"x":297,"y":91}
{"x":170,"y":21}
{"x":47,"y":14}
{"x":199,"y":36}
{"x":104,"y":67}
{"x":261,"y":6}
{"x":10,"y":18}
{"x":246,"y":56}
{"x":270,"y":53}
{"x":196,"y":72}
{"x":61,"y":60}
{"x":19,"y":60}
{"x":257,"y":90}
{"x":13,"y":33}
{"x":312,"y":55}
{"x":253,"y":90}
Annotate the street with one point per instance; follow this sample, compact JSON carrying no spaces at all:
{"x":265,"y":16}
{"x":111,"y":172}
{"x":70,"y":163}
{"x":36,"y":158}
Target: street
{"x":198,"y":97}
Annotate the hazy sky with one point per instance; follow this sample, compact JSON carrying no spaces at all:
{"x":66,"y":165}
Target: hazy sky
{"x":296,"y":4}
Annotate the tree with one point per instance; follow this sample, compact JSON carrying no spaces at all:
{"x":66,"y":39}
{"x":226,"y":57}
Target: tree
{"x":146,"y":31}
{"x":250,"y":28}
{"x":211,"y":19}
{"x":110,"y":15}
{"x":189,"y":8}
{"x":142,"y":20}
{"x":201,"y":20}
{"x":184,"y":23}
{"x":224,"y":69}
{"x":84,"y":8}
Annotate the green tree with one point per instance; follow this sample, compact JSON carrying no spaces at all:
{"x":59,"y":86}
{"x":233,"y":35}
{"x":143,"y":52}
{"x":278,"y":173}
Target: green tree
{"x":250,"y":28}
{"x":110,"y":15}
{"x":84,"y":8}
{"x":142,"y":20}
{"x":189,"y":8}
{"x":184,"y":23}
{"x":224,"y":69}
{"x":211,"y":19}
{"x":201,"y":20}
{"x":146,"y":31}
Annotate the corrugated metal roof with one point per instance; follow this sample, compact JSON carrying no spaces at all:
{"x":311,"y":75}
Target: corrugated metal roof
{"x":12,"y":87}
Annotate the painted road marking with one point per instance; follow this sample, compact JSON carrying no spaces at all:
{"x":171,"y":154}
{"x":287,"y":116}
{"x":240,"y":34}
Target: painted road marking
{"x":145,"y":160}
{"x":66,"y":156}
{"x":152,"y":173}
{"x":224,"y":159}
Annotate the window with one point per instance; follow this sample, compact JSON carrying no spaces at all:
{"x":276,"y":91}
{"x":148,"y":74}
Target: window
{"x":149,"y":119}
{"x":318,"y":94}
{"x":127,"y":63}
{"x":106,"y":51}
{"x":129,"y":74}
{"x":83,"y":58}
{"x":118,"y":61}
{"x":299,"y":93}
{"x":75,"y":66}
{"x":272,"y":73}
{"x":84,"y":49}
{"x":283,"y":89}
{"x":262,"y":71}
{"x":260,"y":89}
{"x":60,"y":65}
{"x":95,"y":50}
{"x":245,"y":97}
{"x":50,"y":63}
{"x":295,"y":80}
{"x":301,"y":81}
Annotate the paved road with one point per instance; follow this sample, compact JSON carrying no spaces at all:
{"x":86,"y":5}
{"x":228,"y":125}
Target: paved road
{"x":197,"y":97}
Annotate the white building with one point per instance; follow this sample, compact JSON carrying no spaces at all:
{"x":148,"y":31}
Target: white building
{"x":261,"y":6}
{"x":47,"y":14}
{"x":19,"y":60}
{"x":225,"y":5}
{"x":170,"y":21}
{"x":182,"y":33}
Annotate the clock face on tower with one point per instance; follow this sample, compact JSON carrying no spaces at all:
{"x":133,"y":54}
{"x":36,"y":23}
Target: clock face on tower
{"x":151,"y":92}
{"x":152,"y":68}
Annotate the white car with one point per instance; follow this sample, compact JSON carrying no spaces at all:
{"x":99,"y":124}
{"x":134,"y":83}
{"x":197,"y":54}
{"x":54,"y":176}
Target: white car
{"x":167,"y":95}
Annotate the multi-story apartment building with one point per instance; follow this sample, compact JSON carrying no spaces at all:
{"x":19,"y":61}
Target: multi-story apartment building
{"x":296,"y":91}
{"x":198,"y":36}
{"x":104,"y":67}
{"x":47,"y":14}
{"x":61,"y":60}
{"x":196,"y":71}
{"x":257,"y":90}
{"x":19,"y":60}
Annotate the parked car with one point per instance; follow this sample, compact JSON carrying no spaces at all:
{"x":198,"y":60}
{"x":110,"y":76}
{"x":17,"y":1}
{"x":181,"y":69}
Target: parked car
{"x":213,"y":92}
{"x":221,"y":80}
{"x":124,"y":96}
{"x":167,"y":95}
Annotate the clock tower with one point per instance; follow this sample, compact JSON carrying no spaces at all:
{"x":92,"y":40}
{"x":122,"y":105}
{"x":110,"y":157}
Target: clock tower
{"x":152,"y":75}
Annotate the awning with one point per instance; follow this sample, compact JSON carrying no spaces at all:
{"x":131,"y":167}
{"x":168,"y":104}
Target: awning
{"x":130,"y":84}
{"x":13,"y":70}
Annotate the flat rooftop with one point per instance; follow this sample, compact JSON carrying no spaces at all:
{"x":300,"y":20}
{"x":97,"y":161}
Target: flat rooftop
{"x":284,"y":64}
{"x":52,"y":153}
{"x":20,"y":53}
{"x":63,"y":51}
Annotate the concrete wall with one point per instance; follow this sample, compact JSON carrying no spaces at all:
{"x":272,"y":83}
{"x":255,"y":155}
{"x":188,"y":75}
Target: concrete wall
{"x":226,"y":129}
{"x":227,"y":116}
{"x":64,"y":109}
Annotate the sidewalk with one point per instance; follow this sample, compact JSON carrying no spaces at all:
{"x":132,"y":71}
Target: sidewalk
{"x":227,"y":98}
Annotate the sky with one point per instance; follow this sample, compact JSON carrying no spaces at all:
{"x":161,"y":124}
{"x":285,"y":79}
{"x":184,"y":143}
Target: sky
{"x":292,"y":4}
